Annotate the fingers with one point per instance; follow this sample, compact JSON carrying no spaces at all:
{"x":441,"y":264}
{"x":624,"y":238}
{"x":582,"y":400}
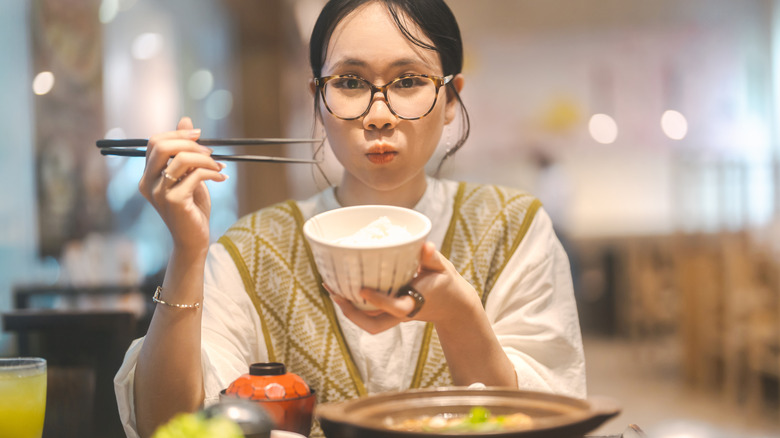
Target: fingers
{"x":185,"y":162}
{"x":398,"y":307}
{"x":186,"y":171}
{"x":432,"y":260}
{"x":371,"y":322}
{"x":189,"y":182}
{"x":184,"y":123}
{"x":184,"y":131}
{"x":410,"y":304}
{"x":341,"y":300}
{"x":161,"y":147}
{"x":183,"y":190}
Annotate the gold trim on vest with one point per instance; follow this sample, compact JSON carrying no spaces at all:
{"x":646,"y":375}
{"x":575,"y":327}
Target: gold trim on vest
{"x":296,"y":313}
{"x":488,"y":223}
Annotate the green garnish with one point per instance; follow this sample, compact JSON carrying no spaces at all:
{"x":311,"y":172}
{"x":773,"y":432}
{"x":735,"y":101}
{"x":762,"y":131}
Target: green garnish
{"x":197,"y":426}
{"x":478,"y":415}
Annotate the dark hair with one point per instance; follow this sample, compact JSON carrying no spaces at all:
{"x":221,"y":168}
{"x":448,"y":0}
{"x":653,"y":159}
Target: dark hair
{"x":435,"y":20}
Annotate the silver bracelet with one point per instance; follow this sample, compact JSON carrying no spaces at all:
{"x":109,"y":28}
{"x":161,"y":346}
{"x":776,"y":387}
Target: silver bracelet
{"x":156,"y":298}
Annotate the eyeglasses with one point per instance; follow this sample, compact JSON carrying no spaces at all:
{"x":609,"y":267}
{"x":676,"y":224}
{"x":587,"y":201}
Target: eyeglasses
{"x":409,"y":97}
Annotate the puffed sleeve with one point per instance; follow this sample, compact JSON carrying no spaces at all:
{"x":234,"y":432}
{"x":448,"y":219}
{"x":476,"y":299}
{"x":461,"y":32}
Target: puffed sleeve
{"x":534,"y":314}
{"x":231,"y":337}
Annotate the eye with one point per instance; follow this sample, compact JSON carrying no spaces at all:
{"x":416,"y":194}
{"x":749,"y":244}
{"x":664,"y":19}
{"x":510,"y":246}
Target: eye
{"x":410,"y":82}
{"x":348,"y":83}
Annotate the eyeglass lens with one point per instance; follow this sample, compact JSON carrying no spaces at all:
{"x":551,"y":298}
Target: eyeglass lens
{"x":408,"y":97}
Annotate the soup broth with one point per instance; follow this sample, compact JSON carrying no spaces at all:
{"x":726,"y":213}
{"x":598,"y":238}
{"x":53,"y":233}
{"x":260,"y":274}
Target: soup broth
{"x":478,"y":419}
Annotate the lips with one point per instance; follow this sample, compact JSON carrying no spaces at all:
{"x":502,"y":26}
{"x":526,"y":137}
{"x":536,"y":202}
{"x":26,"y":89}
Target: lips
{"x":381,"y":154}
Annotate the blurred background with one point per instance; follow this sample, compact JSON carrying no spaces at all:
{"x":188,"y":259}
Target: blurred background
{"x":648,"y":129}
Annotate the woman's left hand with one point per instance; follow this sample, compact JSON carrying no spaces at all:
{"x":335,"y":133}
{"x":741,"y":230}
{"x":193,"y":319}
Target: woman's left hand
{"x":445,"y":291}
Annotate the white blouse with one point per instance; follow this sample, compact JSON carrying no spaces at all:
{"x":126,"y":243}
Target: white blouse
{"x":531,"y":308}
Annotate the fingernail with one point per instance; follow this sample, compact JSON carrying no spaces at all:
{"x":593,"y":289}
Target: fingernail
{"x":206,"y":150}
{"x":194,"y":133}
{"x":222,"y":165}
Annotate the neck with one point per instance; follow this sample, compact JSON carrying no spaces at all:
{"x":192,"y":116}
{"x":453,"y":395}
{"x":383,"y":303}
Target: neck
{"x":354,"y":192}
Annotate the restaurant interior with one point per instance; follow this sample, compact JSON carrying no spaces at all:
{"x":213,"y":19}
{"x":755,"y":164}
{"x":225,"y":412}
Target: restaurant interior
{"x":649,"y":130}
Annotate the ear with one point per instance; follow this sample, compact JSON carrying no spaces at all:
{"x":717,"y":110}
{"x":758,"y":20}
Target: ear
{"x":313,"y":90}
{"x":312,"y":87}
{"x":452,"y":102}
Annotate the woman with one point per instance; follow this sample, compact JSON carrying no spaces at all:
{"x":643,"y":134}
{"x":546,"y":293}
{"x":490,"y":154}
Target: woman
{"x":498,"y":309}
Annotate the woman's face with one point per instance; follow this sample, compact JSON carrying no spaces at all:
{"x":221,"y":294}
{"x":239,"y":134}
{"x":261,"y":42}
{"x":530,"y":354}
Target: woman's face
{"x":380,"y":152}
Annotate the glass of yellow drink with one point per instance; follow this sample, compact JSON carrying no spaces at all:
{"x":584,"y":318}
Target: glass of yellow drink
{"x":22,"y":397}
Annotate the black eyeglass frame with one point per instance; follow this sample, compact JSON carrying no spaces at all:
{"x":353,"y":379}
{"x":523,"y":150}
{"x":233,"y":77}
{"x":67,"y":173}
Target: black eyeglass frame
{"x":438,"y":82}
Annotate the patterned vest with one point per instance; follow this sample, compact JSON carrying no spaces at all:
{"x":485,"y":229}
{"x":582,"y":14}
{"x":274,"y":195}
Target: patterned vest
{"x":297,"y":316}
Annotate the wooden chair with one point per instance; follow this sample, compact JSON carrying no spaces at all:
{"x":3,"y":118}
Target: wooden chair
{"x":652,"y":301}
{"x":762,"y":333}
{"x":697,"y":267}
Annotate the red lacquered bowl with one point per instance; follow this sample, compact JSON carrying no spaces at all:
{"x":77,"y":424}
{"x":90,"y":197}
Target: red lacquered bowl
{"x":285,"y":396}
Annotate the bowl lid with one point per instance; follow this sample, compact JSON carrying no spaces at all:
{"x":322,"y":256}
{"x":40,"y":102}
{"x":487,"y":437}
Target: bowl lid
{"x":267,"y":369}
{"x":268,"y":381}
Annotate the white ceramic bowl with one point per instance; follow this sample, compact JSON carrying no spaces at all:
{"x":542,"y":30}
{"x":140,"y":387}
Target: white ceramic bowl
{"x":348,"y":268}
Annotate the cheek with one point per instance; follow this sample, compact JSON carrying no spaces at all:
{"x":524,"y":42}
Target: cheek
{"x":332,"y":125}
{"x":339,"y":134}
{"x":435,"y":135}
{"x":424,"y":138}
{"x":339,"y":131}
{"x":435,"y":125}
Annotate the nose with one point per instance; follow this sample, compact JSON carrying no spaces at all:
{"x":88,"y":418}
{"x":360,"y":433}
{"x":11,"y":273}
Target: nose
{"x":379,"y":115}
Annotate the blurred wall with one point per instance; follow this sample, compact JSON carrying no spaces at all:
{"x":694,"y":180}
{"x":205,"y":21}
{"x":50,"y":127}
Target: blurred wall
{"x":162,"y":61}
{"x":18,"y":223}
{"x":537,"y":70}
{"x":144,"y":93}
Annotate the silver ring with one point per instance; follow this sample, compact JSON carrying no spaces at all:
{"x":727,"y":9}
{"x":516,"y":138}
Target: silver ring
{"x":169,"y":177}
{"x":419,"y":300}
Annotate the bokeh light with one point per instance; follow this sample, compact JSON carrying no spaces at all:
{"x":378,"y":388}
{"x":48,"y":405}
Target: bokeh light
{"x":200,"y":84}
{"x":603,"y":128}
{"x":116,"y":134}
{"x":219,"y":104}
{"x":43,"y":82}
{"x":147,"y":45}
{"x":674,"y":124}
{"x":108,"y":11}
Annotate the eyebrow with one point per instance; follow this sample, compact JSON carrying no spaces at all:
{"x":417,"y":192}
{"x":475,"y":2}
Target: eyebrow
{"x":402,"y":62}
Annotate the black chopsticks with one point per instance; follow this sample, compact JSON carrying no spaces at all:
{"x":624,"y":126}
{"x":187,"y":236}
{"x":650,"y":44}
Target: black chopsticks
{"x":130,"y":148}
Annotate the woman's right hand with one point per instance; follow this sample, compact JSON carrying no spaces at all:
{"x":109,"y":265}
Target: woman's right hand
{"x":168,"y":376}
{"x":176,"y":186}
